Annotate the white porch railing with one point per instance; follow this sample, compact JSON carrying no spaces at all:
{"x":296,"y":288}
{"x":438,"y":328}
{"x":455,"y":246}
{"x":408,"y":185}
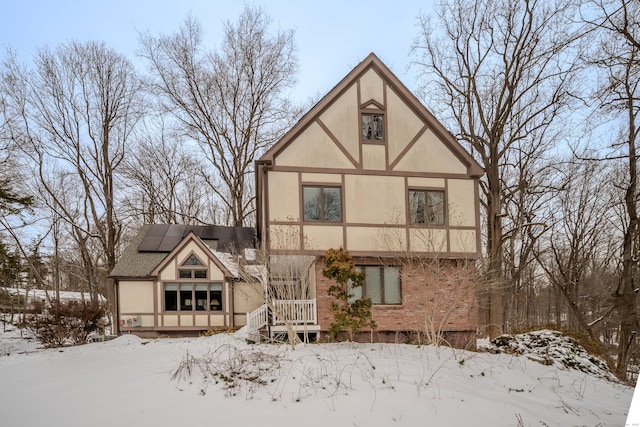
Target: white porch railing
{"x":258,"y":318}
{"x":296,"y":312}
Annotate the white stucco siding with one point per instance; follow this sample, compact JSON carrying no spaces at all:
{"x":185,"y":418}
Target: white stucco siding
{"x":432,"y":240}
{"x":374,"y":199}
{"x":322,"y":237}
{"x":284,"y":237}
{"x":313,"y":149}
{"x":374,"y":157}
{"x":376,"y":239}
{"x":136,"y":296}
{"x":429,"y":154}
{"x":284,"y":196}
{"x":461,"y":198}
{"x":341,"y":118}
{"x":403,"y":125}
{"x":371,"y":87}
{"x":463,"y":241}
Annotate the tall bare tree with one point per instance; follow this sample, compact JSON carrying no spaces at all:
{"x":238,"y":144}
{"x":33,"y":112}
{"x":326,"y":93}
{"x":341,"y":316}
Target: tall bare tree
{"x":578,"y":245}
{"x":502,"y":70}
{"x":74,"y":113}
{"x":616,"y":25}
{"x":231,"y":101}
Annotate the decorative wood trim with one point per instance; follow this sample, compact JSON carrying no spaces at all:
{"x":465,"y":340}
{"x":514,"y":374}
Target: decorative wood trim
{"x":354,"y":172}
{"x":155,"y":302}
{"x":364,"y":108}
{"x":338,"y":143}
{"x":408,"y":147}
{"x":384,"y":254}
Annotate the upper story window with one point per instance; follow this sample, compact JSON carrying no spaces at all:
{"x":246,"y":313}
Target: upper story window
{"x":372,"y":126}
{"x":426,"y":207}
{"x":322,"y":203}
{"x":192,"y":268}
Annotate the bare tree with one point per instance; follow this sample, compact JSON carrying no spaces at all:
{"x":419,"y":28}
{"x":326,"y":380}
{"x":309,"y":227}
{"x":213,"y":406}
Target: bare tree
{"x":616,"y":25}
{"x":529,"y":187}
{"x":577,"y":247}
{"x":161,"y":183}
{"x":231,"y":101}
{"x":73,"y":115}
{"x":503,"y":71}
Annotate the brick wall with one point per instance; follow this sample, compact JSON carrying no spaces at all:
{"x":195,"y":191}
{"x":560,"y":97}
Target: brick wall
{"x":437,"y":295}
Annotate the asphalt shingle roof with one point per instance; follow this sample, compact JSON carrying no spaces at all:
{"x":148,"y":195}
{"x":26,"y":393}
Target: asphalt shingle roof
{"x":154,"y":241}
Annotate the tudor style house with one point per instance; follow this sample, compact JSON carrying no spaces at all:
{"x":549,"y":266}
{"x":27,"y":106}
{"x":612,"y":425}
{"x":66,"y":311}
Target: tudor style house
{"x":369,"y":169}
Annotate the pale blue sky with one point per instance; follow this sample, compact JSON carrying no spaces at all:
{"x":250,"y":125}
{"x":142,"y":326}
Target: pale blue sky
{"x":332,"y":35}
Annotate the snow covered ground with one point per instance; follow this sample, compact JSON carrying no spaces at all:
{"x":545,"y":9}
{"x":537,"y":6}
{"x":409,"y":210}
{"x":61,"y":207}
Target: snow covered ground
{"x":128,"y":381}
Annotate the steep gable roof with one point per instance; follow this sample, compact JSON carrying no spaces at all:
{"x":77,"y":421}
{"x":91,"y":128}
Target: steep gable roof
{"x":155,"y":243}
{"x":373,"y":62}
{"x":190,"y":237}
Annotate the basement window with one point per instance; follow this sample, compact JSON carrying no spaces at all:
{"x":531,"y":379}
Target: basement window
{"x":381,"y":284}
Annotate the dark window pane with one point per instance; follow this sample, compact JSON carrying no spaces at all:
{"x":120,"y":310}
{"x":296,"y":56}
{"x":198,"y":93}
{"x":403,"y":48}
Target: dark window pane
{"x":170,"y":297}
{"x":435,"y":200}
{"x":332,"y":205}
{"x":201,"y":293}
{"x":372,"y":127}
{"x":367,"y":127}
{"x":216,"y":300}
{"x":426,"y":207}
{"x":416,"y":207}
{"x":184,"y":274}
{"x":311,"y":197}
{"x":215,"y":296}
{"x":186,"y":297}
{"x":378,"y":128}
{"x":200,"y":274}
{"x":192,"y":260}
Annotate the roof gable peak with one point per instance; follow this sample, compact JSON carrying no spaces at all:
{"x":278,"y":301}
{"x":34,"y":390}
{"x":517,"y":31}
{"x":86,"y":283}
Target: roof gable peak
{"x":372,"y":87}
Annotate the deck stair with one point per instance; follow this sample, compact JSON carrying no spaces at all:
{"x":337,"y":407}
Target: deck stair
{"x":265,"y":323}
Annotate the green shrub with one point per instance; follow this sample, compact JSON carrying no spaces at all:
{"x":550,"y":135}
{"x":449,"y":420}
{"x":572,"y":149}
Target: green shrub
{"x":350,"y":315}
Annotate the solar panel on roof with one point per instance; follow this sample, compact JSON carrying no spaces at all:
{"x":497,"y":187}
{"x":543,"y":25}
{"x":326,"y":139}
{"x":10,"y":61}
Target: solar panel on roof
{"x":149,"y":243}
{"x":169,"y":243}
{"x":176,"y":230}
{"x":164,"y":237}
{"x":210,"y":232}
{"x":157,"y":230}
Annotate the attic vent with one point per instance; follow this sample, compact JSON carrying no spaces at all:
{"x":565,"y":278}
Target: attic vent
{"x":192,"y":260}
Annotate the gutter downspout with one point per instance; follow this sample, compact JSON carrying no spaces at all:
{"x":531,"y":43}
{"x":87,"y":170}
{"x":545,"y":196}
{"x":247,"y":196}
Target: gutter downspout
{"x":262,"y":185}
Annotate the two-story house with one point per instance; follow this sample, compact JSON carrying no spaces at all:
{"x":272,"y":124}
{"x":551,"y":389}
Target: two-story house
{"x":369,"y":169}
